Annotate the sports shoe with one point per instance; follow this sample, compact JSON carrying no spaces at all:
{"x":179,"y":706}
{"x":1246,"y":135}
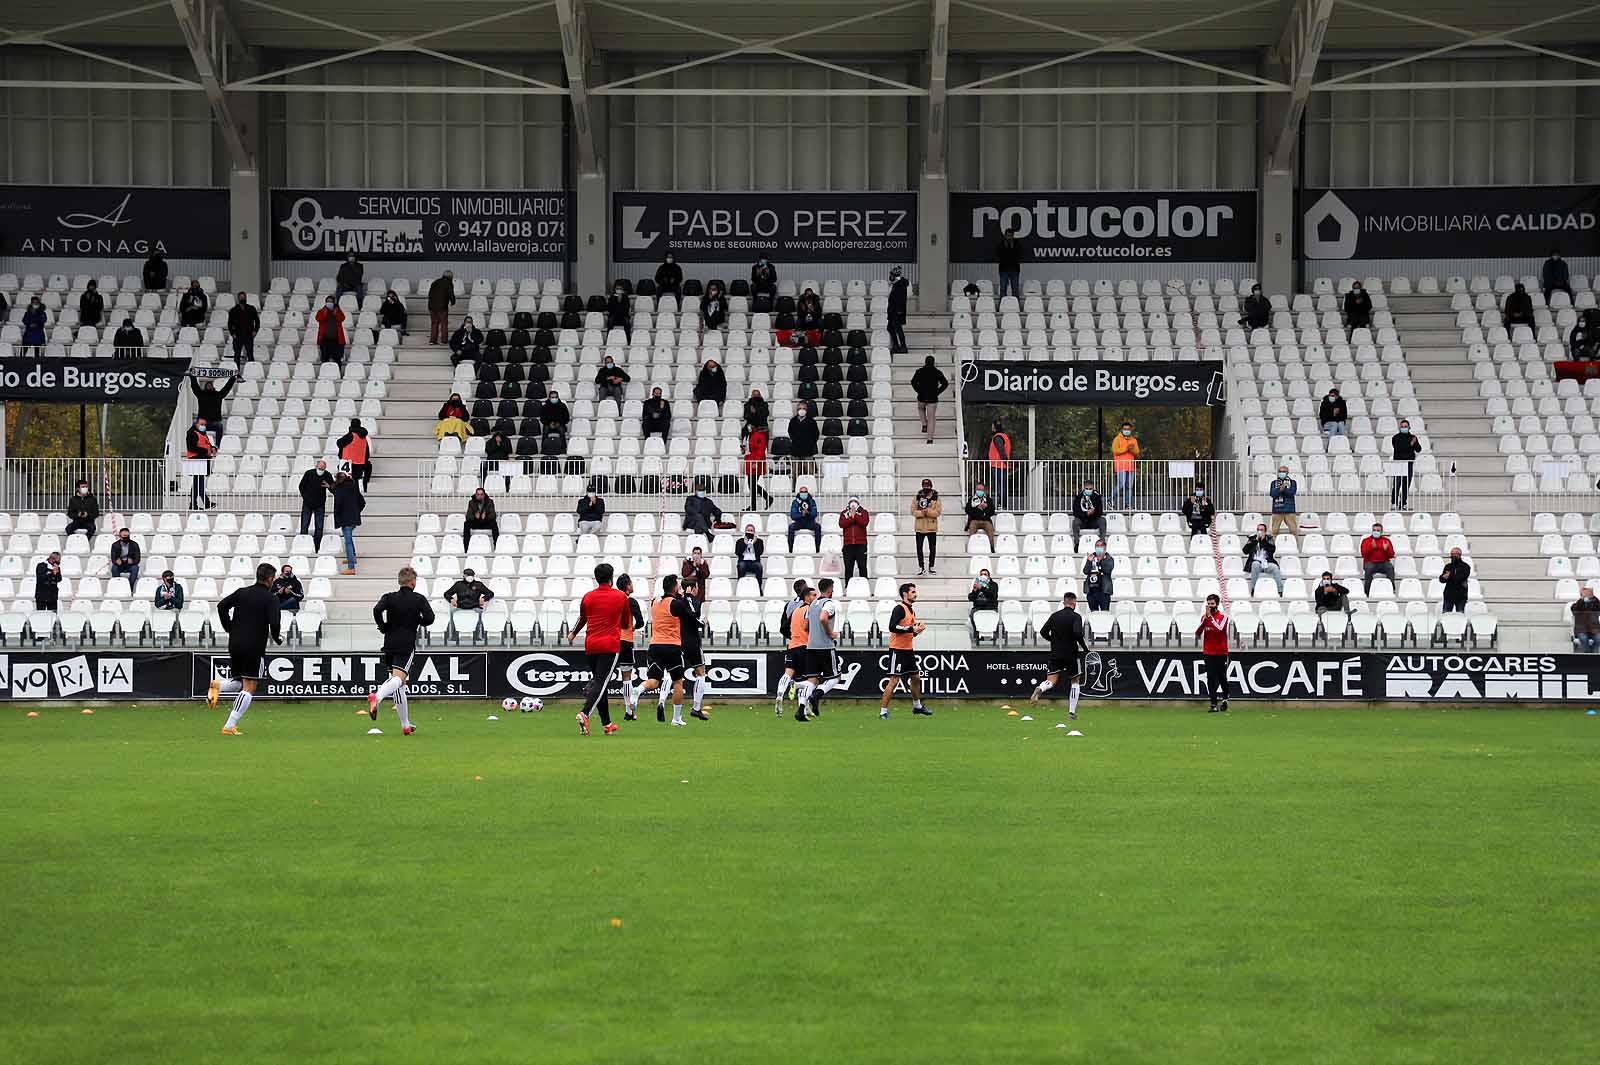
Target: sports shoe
{"x":408,"y":730}
{"x":1072,"y":715}
{"x":1034,"y":697}
{"x":213,"y":692}
{"x":1224,"y":706}
{"x":629,"y":715}
{"x":801,"y":715}
{"x":699,"y":715}
{"x":583,"y":723}
{"x":661,"y":712}
{"x":883,"y":715}
{"x":923,"y":710}
{"x":777,"y":709}
{"x":609,"y":729}
{"x":372,"y":704}
{"x":231,"y":732}
{"x":679,"y":723}
{"x":1215,"y":709}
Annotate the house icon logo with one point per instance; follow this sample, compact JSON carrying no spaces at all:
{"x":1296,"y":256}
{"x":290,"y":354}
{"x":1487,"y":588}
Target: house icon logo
{"x":1331,"y":229}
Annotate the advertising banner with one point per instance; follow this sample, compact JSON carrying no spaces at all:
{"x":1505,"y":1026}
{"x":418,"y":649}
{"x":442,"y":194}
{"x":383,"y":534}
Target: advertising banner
{"x":293,"y":675}
{"x":1094,"y":384}
{"x":810,"y":227}
{"x":1130,"y":227}
{"x":92,"y":380}
{"x":435,"y":224}
{"x":93,"y":674}
{"x":1491,"y":222}
{"x":109,"y":221}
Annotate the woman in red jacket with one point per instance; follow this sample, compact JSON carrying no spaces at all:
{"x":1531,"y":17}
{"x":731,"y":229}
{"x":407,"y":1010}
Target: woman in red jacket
{"x":853,"y":523}
{"x":330,"y":331}
{"x":755,"y":464}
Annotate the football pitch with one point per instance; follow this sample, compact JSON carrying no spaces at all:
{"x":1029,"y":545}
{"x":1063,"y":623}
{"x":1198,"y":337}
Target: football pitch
{"x":1273,"y":885}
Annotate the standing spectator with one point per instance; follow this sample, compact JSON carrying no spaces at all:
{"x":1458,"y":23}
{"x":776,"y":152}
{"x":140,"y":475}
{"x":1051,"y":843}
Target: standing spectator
{"x":747,"y":552}
{"x":496,"y":449}
{"x":1585,"y":620}
{"x":1124,"y":457}
{"x":288,"y":589}
{"x":553,"y":414}
{"x":756,"y":413}
{"x":619,"y":310}
{"x":755,"y":462}
{"x":713,"y":308}
{"x":898,"y":289}
{"x":481,"y":516}
{"x":591,"y":512}
{"x":695,"y":572}
{"x":155,"y":273}
{"x":34,"y":321}
{"x":392,"y":312}
{"x":764,"y":278}
{"x":1097,"y":579}
{"x":348,"y":503}
{"x":1554,"y":277}
{"x":468,"y":593}
{"x":712,"y":384}
{"x":1284,"y":510}
{"x":1377,"y":557}
{"x":244,"y":322}
{"x":129,"y":341}
{"x":929,"y":383}
{"x":169,"y":593}
{"x":1256,"y":311}
{"x":1008,"y":259}
{"x":1454,"y":577}
{"x":926,"y":507}
{"x":1333,"y":413}
{"x":330,"y":331}
{"x":657,"y":416}
{"x":466,"y":342}
{"x":1261,"y":557}
{"x":1198,"y":511}
{"x":1357,"y":307}
{"x":1331,"y":595}
{"x":701,"y":514}
{"x":125,"y":558}
{"x":803,"y":517}
{"x":1406,"y":449}
{"x":853,"y":520}
{"x":1213,"y":633}
{"x":980,"y":514}
{"x":803,"y":437}
{"x":349,"y":278}
{"x":1000,"y":464}
{"x":198,"y":446}
{"x":315,"y":484}
{"x":1518,"y":309}
{"x":1088,"y":511}
{"x":83,"y":510}
{"x":208,"y":403}
{"x":355,"y":447}
{"x":441,"y":296}
{"x":669,"y":278}
{"x":193,"y":305}
{"x":47,"y":583}
{"x":984,"y":594}
{"x":91,"y":305}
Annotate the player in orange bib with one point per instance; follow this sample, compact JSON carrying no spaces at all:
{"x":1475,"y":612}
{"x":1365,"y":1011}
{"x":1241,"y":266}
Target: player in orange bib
{"x":793,"y":626}
{"x":904,"y":628}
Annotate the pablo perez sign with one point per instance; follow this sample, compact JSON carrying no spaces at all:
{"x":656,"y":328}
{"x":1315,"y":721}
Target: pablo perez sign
{"x":787,"y":226}
{"x":1093,"y":384}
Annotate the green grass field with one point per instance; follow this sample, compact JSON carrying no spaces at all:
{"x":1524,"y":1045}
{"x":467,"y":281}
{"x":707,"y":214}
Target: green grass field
{"x":1290,"y":885}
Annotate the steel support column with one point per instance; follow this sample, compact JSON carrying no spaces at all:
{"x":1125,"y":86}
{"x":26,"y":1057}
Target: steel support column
{"x":1295,"y":59}
{"x":207,"y":32}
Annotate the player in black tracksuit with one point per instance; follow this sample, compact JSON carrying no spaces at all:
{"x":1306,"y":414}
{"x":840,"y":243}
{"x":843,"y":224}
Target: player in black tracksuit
{"x":398,"y":615}
{"x":251,"y":616}
{"x":1064,"y":630}
{"x":694,"y":661}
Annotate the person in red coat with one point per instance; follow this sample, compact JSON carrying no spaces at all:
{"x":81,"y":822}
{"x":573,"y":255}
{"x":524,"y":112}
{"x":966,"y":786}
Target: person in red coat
{"x":1213,"y":633}
{"x":853,"y":521}
{"x":755,"y":464}
{"x":330,"y":331}
{"x":1377,"y":557}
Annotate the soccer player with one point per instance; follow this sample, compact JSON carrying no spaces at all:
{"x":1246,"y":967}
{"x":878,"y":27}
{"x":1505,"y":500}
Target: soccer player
{"x":1064,"y":630}
{"x":667,"y":617}
{"x":822,"y":652}
{"x":625,"y":661}
{"x":1213,"y":631}
{"x":250,"y":615}
{"x":694,"y":658}
{"x":604,"y":611}
{"x":398,"y":615}
{"x":793,"y":628}
{"x":903,"y":629}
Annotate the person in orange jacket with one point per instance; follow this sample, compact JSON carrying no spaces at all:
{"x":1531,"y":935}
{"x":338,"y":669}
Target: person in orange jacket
{"x":1124,"y":454}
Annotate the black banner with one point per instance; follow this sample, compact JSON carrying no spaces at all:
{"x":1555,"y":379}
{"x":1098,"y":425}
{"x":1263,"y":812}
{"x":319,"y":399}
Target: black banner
{"x":1129,"y":227}
{"x":434,"y":674}
{"x":1094,"y":384}
{"x":1450,"y":223}
{"x":436,"y":224}
{"x":737,"y":227}
{"x":92,"y":380}
{"x":109,"y":221}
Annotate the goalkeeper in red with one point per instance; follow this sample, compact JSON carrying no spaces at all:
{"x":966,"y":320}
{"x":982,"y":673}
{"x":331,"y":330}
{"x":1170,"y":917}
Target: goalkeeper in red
{"x":1213,"y":633}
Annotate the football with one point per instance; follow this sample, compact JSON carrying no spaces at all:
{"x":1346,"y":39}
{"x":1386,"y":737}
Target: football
{"x":531,"y":704}
{"x":508,"y":704}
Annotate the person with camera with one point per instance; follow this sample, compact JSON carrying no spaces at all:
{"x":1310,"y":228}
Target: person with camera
{"x":853,"y":520}
{"x":1097,"y":571}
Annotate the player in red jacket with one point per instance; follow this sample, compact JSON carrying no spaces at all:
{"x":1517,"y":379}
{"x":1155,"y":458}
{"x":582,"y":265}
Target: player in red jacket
{"x":1213,"y":633}
{"x":605,"y":612}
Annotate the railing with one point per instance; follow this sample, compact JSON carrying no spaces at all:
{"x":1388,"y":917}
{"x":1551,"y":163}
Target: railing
{"x":45,"y":484}
{"x":1568,"y":498}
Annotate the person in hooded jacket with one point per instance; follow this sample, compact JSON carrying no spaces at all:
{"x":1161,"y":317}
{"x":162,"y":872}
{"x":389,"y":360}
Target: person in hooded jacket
{"x":1256,"y":310}
{"x":757,"y":412}
{"x":34,"y":321}
{"x":929,"y":383}
{"x":669,"y":278}
{"x":712,"y":384}
{"x":713,"y":307}
{"x":392,"y":312}
{"x":1333,"y":412}
{"x":619,"y":310}
{"x":349,"y":278}
{"x":1518,"y":309}
{"x":155,"y":273}
{"x":129,"y":341}
{"x":764,"y":277}
{"x":244,"y":322}
{"x":1357,"y":307}
{"x":91,"y":305}
{"x":194,"y":305}
{"x":899,"y":287}
{"x":466,"y":342}
{"x":657,"y":416}
{"x":611,"y":382}
{"x":803,"y":437}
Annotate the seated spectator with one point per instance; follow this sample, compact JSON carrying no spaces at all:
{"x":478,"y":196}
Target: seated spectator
{"x":853,"y":521}
{"x":349,"y":278}
{"x":1333,"y":413}
{"x":169,"y":593}
{"x":1555,"y":277}
{"x":803,"y":437}
{"x":756,"y":414}
{"x":154,"y":275}
{"x":1256,"y":310}
{"x":194,"y":305}
{"x":129,"y":341}
{"x":808,"y":311}
{"x":755,"y":463}
{"x":1377,"y":557}
{"x":453,"y":407}
{"x":244,"y":322}
{"x":747,"y":552}
{"x":91,"y":305}
{"x":611,"y":382}
{"x":1331,"y":595}
{"x":1357,"y":307}
{"x":1097,"y":581}
{"x":481,"y":516}
{"x":669,"y":278}
{"x":700,"y":514}
{"x":1518,"y":309}
{"x":83,"y":510}
{"x":452,"y":419}
{"x":657,"y":416}
{"x":125,"y":558}
{"x":1584,"y":340}
{"x":713,"y":308}
{"x":980,"y":514}
{"x":47,"y":583}
{"x":984,"y":593}
{"x":553,"y":414}
{"x":695,"y":571}
{"x":1198,"y":511}
{"x":288,"y":590}
{"x":1585,"y":620}
{"x":926,"y":508}
{"x":1088,"y":511}
{"x":619,"y":310}
{"x":712,"y":384}
{"x":803,"y":517}
{"x":330,"y":331}
{"x":1261,"y":557}
{"x":591,"y":513}
{"x":496,"y":449}
{"x":764,"y":278}
{"x":1454,"y":577}
{"x":1284,"y":508}
{"x":34,"y":321}
{"x":392,"y":312}
{"x":466,"y":342}
{"x":468,"y":593}
{"x":971,"y":289}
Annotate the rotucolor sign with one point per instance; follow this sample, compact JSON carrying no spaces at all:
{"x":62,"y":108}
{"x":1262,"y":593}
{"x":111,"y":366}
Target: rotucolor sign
{"x":1065,"y":227}
{"x":808,"y":227}
{"x":1094,"y":384}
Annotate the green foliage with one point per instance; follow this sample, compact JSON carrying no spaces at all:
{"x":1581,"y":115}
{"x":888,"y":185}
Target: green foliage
{"x":42,"y":430}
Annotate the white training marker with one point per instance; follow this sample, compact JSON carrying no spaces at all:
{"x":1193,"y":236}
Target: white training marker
{"x":1025,"y":717}
{"x":374,"y":732}
{"x":1061,"y":726}
{"x":494,"y":717}
{"x":1074,"y":732}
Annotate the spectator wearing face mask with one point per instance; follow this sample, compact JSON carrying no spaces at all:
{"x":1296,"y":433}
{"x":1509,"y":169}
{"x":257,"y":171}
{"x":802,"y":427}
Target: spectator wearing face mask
{"x":441,"y":297}
{"x":899,"y":288}
{"x":1261,"y":558}
{"x":83,"y":510}
{"x":980,"y":514}
{"x":669,"y":278}
{"x":1454,"y":577}
{"x":1088,"y":511}
{"x":330,"y":331}
{"x":452,"y":420}
{"x":553,"y":414}
{"x":1407,"y":446}
{"x":392,"y":312}
{"x":1284,"y":510}
{"x":755,"y":462}
{"x":1586,"y":621}
{"x":1518,"y":309}
{"x":1124,"y":458}
{"x":1555,"y":277}
{"x":91,"y":305}
{"x":747,"y":553}
{"x":47,"y":583}
{"x":764,"y":278}
{"x":481,"y":516}
{"x":701,"y":514}
{"x":315,"y":484}
{"x":349,"y":278}
{"x":1330,"y":595}
{"x":125,"y":558}
{"x":1198,"y":510}
{"x":288,"y":590}
{"x":1333,"y":413}
{"x":1097,"y":571}
{"x":713,"y":308}
{"x":853,"y":520}
{"x":712,"y":384}
{"x":244,"y":322}
{"x":197,"y":447}
{"x":34,"y":321}
{"x":1377,"y":558}
{"x":695,"y":571}
{"x":169,"y":593}
{"x":468,"y":593}
{"x":1000,"y":463}
{"x":757,"y":414}
{"x":984,"y":593}
{"x":803,"y":518}
{"x":591,"y":512}
{"x":926,"y":508}
{"x":1584,"y":340}
{"x":129,"y":341}
{"x":208,"y":402}
{"x":808,"y":316}
{"x":1256,"y":310}
{"x":1357,"y":307}
{"x":929,"y":383}
{"x":466,"y":342}
{"x":657,"y":416}
{"x":193,"y":305}
{"x":803,"y":437}
{"x":496,"y":449}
